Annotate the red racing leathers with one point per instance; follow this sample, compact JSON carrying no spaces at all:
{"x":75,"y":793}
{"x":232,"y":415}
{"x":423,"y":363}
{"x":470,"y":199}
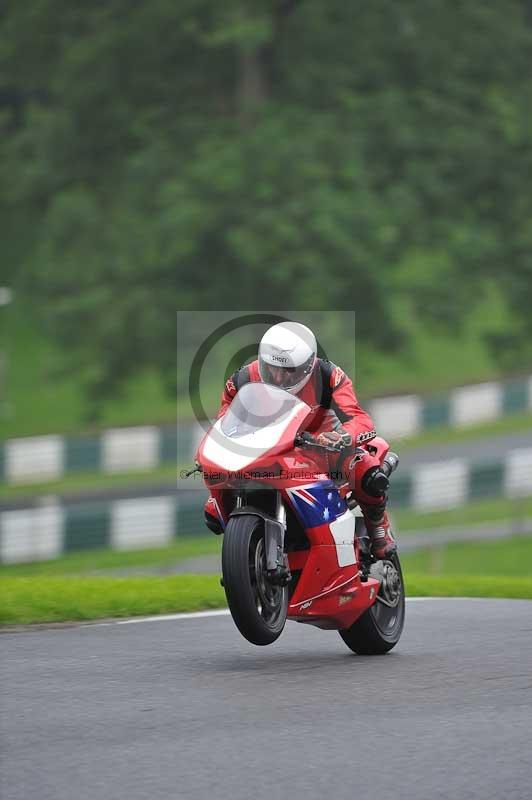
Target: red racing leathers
{"x":336,"y":408}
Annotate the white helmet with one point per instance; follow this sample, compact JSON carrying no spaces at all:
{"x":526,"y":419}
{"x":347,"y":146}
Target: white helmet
{"x":287,"y":354}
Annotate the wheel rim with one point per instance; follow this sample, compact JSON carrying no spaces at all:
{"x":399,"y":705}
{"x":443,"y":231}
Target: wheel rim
{"x":388,"y":610}
{"x":268,"y":597}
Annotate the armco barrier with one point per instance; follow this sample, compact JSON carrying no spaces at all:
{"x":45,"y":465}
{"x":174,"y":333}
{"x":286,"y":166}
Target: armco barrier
{"x":49,"y":529}
{"x":41,"y":458}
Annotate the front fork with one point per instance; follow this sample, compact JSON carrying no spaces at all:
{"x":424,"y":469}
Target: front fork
{"x":274,"y":530}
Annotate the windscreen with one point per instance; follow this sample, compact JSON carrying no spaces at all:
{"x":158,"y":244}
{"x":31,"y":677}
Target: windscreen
{"x":256,"y":406}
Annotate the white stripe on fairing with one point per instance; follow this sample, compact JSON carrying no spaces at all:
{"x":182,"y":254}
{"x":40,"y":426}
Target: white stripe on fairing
{"x":217,"y":447}
{"x":34,"y":458}
{"x":473,"y":404}
{"x":125,"y":449}
{"x":142,"y":522}
{"x":343,"y":533}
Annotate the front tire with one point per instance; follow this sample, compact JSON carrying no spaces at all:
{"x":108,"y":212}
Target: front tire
{"x":258,"y":607}
{"x":380,"y":627}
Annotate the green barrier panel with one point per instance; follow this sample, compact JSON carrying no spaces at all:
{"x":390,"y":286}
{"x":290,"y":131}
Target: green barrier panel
{"x":168,"y":446}
{"x":436,"y":412}
{"x":2,"y":464}
{"x":486,"y":480}
{"x":82,"y":454}
{"x":190,"y":517}
{"x":184,"y":444}
{"x":87,"y":526}
{"x":515,"y":396}
{"x":401,"y":490}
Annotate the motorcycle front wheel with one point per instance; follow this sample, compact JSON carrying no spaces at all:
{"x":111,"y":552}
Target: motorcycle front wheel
{"x":380,"y":627}
{"x":258,"y":607}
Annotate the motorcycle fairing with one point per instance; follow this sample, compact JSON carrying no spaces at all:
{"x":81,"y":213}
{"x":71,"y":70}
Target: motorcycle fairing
{"x":316,"y":503}
{"x":329,"y":592}
{"x":239,"y":440}
{"x":327,"y":595}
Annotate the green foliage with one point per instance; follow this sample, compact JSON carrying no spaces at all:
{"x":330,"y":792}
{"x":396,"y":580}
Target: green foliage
{"x":262,"y":154}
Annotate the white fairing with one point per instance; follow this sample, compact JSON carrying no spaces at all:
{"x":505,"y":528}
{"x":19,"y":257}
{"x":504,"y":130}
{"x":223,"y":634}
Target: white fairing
{"x":343,"y":531}
{"x":263,"y":413}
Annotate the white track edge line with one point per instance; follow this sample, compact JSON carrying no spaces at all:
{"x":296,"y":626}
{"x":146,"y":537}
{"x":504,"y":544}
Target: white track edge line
{"x":219,"y":612}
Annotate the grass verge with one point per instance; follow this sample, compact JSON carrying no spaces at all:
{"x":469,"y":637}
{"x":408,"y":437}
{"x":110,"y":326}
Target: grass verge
{"x":419,"y":585}
{"x":55,"y":599}
{"x":502,"y":558}
{"x":498,"y":510}
{"x":84,"y":562}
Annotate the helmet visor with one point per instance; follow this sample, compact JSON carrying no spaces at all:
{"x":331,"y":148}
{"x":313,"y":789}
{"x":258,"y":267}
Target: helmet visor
{"x":285,"y":377}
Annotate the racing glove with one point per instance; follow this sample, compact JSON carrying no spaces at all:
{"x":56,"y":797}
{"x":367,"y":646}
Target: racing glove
{"x":335,"y":439}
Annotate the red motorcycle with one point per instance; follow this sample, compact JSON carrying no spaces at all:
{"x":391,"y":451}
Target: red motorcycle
{"x":293,"y":545}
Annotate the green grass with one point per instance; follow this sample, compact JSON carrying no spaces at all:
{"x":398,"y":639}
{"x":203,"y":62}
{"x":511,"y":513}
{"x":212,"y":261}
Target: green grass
{"x":498,"y":510}
{"x":55,"y":599}
{"x":52,"y":599}
{"x":484,"y":569}
{"x":487,"y":569}
{"x":88,"y":561}
{"x":502,"y":557}
{"x":419,"y":585}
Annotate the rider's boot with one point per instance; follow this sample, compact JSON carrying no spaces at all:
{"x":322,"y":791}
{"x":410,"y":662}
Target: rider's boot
{"x":383,"y":544}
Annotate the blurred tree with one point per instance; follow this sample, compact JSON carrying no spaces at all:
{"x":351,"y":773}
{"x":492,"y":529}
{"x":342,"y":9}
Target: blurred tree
{"x":259,"y":154}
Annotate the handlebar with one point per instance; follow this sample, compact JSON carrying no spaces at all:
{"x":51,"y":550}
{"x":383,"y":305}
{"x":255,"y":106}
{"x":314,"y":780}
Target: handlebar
{"x":376,"y":481}
{"x":306,"y":439}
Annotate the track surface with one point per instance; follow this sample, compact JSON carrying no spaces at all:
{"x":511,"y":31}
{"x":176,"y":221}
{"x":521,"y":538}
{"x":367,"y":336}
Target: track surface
{"x":188,"y":709}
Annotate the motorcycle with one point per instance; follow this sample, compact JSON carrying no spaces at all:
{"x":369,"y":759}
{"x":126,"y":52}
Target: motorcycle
{"x":295,"y":545}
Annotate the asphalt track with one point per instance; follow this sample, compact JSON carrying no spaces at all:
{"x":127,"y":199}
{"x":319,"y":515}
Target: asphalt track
{"x":185,"y":708}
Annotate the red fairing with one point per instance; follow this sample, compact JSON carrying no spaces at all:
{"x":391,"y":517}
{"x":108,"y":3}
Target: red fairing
{"x":328,"y":596}
{"x":344,"y":402}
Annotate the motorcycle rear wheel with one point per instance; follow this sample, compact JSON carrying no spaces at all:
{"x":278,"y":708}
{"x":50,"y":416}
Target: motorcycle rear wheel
{"x":258,"y":607}
{"x":380,"y":627}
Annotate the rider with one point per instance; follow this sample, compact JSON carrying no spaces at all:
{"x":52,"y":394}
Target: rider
{"x":288,"y":358}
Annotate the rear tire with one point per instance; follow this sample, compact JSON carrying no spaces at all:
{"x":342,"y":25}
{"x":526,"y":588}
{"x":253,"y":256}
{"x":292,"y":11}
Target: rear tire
{"x":258,"y":607}
{"x":380,"y":627}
